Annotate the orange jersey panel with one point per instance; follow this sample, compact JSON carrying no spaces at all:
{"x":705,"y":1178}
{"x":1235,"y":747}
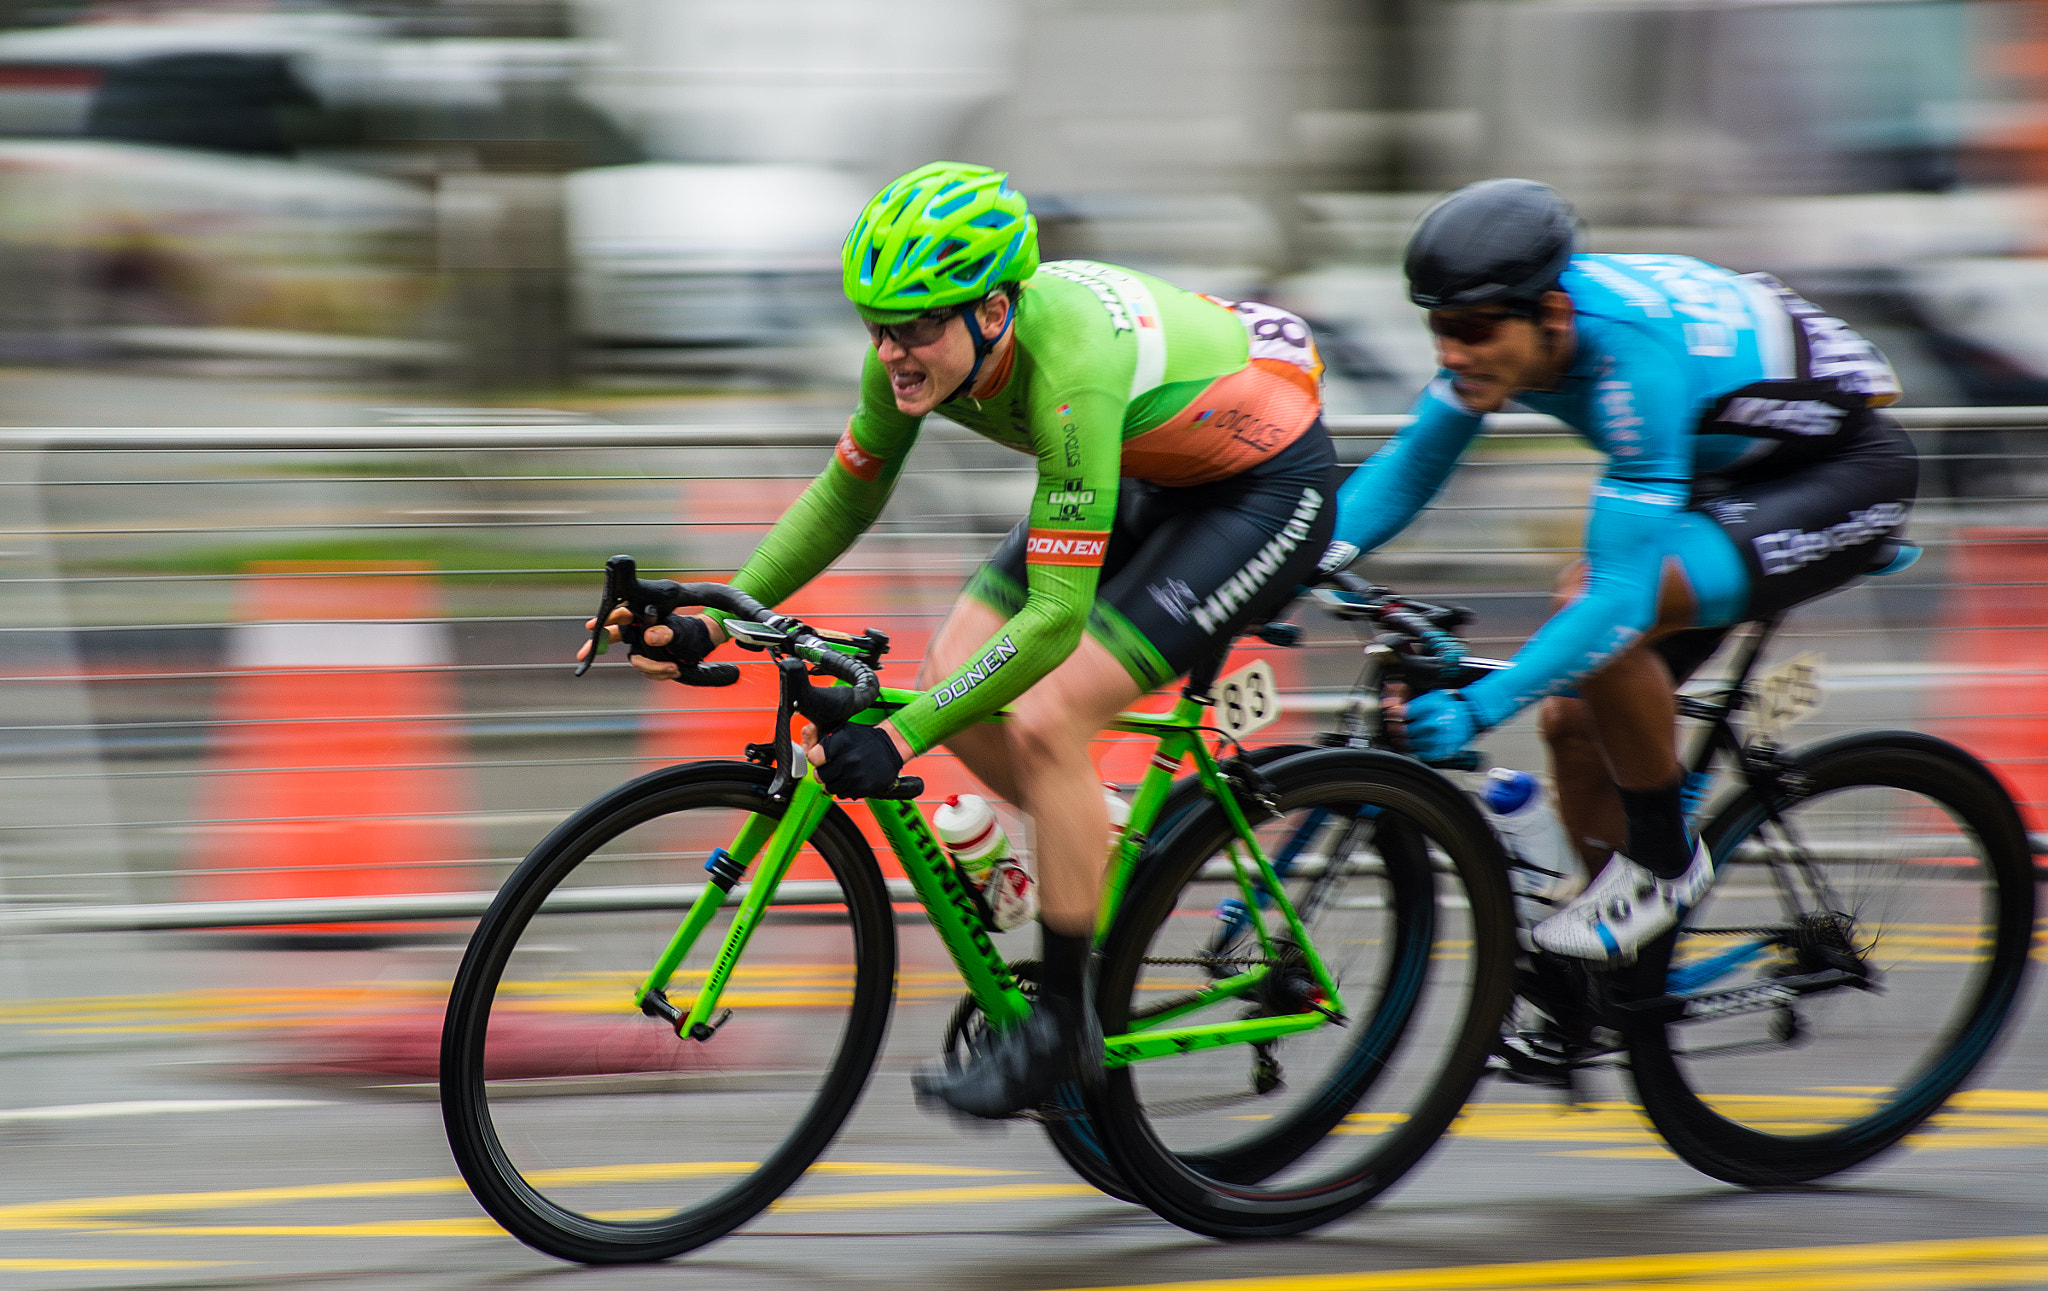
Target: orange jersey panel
{"x":1239,"y":421}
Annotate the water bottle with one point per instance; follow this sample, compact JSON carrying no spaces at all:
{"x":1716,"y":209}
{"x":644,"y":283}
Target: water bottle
{"x":1543,"y":867}
{"x":968,"y":827}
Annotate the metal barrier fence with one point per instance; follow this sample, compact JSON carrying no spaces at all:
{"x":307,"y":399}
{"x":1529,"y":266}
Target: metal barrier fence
{"x":253,"y":666}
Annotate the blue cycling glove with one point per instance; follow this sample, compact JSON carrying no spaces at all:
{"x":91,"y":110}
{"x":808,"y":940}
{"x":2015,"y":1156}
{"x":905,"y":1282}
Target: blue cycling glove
{"x":1440,"y":724}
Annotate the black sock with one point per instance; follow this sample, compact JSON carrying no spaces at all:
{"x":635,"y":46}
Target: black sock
{"x":1657,"y":839}
{"x":1063,"y":968}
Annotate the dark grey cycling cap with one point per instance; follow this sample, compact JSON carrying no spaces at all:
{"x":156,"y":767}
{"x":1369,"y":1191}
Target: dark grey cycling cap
{"x":1496,"y":240}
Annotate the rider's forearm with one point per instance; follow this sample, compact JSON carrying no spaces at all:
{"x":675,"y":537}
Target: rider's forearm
{"x":1034,"y":642}
{"x":1627,"y":541}
{"x":1383,"y":495}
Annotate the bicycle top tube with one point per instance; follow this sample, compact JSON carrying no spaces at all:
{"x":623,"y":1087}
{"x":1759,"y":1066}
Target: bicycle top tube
{"x":1177,"y":719}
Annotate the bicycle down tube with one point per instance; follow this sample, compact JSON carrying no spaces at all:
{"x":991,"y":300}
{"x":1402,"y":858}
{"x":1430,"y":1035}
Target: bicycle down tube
{"x":957,"y":918}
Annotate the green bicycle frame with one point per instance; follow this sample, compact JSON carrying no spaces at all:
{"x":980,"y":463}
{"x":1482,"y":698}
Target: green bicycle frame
{"x":768,"y":846}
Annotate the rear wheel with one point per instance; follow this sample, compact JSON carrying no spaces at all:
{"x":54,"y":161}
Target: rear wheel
{"x":590,"y":1130}
{"x":1403,"y":895}
{"x":1861,"y":949}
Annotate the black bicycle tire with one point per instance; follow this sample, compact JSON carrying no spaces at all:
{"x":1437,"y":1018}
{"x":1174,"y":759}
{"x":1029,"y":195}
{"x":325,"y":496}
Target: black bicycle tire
{"x":1178,"y":1189}
{"x":497,"y":1183}
{"x":1072,"y":1136}
{"x":1740,"y":1155}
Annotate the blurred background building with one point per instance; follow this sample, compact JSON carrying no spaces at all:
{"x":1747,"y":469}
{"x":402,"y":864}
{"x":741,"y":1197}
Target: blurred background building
{"x":530,"y":194}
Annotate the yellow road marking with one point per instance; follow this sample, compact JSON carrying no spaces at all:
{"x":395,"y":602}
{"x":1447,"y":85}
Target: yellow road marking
{"x":29,"y":1265}
{"x":821,"y":1203}
{"x":1898,"y":1266}
{"x":89,"y":1213}
{"x":829,"y":1201}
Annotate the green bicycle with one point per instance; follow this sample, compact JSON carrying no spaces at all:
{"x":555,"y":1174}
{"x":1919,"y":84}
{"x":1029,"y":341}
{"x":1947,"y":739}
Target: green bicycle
{"x":621,"y":1085}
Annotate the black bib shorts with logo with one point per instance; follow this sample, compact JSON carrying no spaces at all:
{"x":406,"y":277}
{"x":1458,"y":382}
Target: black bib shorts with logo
{"x":1186,"y":569}
{"x":1805,"y":523}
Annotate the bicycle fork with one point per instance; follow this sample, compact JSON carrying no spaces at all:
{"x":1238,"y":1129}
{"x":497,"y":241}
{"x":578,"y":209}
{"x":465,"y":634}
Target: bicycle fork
{"x":779,"y":840}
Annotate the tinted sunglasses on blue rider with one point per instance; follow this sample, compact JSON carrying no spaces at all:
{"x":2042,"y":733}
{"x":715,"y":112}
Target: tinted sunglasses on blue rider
{"x":918,"y":331}
{"x":1475,"y":328}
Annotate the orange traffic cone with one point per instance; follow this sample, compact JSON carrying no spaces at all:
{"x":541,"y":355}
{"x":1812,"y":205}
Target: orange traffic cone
{"x":1998,"y":632}
{"x":331,"y":776}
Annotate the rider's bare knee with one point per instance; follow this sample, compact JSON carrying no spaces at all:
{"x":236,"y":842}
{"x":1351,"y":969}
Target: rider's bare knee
{"x":1566,"y":725}
{"x":1570,"y":581}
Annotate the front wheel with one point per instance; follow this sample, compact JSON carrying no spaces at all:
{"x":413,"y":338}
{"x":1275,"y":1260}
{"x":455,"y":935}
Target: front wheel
{"x":590,"y":1130}
{"x":1864,"y":942}
{"x":1402,"y":895}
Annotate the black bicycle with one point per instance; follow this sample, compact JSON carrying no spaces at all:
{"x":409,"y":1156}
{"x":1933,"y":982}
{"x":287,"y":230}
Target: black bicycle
{"x":1866,"y":938}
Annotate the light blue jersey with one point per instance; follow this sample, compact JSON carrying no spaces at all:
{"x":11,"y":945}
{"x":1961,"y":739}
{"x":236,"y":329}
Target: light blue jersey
{"x":1681,"y":369}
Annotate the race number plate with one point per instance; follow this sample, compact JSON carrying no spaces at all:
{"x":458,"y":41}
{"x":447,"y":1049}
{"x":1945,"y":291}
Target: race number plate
{"x":1247,"y":700}
{"x":1788,"y":693}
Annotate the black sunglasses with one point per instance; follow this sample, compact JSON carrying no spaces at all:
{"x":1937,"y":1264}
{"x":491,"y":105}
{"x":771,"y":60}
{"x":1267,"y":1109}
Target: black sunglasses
{"x":1473,"y":329}
{"x":916,"y":332}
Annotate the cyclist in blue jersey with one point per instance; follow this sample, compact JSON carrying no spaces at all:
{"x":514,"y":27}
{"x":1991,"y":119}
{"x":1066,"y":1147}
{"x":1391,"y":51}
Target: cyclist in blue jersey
{"x":1747,"y":471}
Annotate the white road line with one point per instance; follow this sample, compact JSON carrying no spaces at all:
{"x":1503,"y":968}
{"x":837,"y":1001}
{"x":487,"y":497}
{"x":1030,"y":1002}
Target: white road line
{"x":153,"y":1107}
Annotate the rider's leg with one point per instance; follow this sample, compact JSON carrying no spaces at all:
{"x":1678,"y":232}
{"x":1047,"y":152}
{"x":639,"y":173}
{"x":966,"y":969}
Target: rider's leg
{"x":1614,"y":748}
{"x":1039,"y":759}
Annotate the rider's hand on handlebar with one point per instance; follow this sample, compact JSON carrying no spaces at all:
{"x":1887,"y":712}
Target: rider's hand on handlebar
{"x":1440,"y":724}
{"x":651,"y":655}
{"x":857,"y":761}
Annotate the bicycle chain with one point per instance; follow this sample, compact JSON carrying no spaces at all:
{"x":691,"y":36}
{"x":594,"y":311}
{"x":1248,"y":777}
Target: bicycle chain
{"x":1196,"y":961}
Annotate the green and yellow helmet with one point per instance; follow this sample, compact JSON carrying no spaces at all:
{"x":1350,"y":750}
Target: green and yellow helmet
{"x":945,"y":234}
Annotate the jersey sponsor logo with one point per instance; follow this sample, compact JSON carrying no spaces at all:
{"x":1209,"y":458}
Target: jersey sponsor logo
{"x":1730,"y":510}
{"x":1226,"y":600}
{"x":1787,"y":416}
{"x":1066,"y":547}
{"x":1087,"y":275}
{"x":1635,"y":293}
{"x":1618,"y":493}
{"x":1069,"y":505}
{"x":1620,"y":424}
{"x":859,"y":463}
{"x":1790,"y":549}
{"x":1174,"y":596}
{"x":975,"y":673}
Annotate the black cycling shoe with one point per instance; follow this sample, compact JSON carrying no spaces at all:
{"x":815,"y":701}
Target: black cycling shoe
{"x":1011,"y":1072}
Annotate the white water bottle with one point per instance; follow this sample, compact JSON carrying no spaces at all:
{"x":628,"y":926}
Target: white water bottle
{"x":1543,"y":867}
{"x":969,"y":828}
{"x":1119,"y":815}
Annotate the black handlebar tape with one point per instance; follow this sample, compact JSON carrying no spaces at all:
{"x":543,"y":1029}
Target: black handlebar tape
{"x":709,"y":674}
{"x":906,"y":788}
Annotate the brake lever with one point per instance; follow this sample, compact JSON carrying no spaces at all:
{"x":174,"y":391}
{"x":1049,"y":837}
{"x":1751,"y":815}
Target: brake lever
{"x":621,"y":580}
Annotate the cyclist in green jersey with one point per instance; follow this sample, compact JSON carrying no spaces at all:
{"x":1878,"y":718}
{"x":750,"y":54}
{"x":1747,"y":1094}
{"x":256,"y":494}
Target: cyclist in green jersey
{"x":1183,"y":478}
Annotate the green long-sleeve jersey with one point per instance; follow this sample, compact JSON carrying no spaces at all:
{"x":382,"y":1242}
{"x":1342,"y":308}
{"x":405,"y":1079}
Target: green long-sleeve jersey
{"x":1111,"y":373}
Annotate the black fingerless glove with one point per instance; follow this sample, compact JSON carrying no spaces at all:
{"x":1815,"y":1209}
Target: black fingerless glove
{"x":860,"y":762}
{"x":689,"y":645}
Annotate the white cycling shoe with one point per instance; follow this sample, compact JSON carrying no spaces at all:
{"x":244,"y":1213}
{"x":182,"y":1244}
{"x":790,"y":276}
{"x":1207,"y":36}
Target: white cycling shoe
{"x":1624,"y":909}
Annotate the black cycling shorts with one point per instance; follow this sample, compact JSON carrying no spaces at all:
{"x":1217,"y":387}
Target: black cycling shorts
{"x":1187,"y":569}
{"x":1807,"y":529}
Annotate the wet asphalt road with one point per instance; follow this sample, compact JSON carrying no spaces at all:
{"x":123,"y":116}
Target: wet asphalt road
{"x":178,"y":1135}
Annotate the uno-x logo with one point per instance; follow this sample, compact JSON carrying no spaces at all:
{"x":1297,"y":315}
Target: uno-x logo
{"x":1062,"y":547}
{"x":1786,"y":416}
{"x":1789,"y":549}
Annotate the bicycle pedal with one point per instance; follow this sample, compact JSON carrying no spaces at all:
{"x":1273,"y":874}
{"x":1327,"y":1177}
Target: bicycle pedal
{"x":1531,"y":1058}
